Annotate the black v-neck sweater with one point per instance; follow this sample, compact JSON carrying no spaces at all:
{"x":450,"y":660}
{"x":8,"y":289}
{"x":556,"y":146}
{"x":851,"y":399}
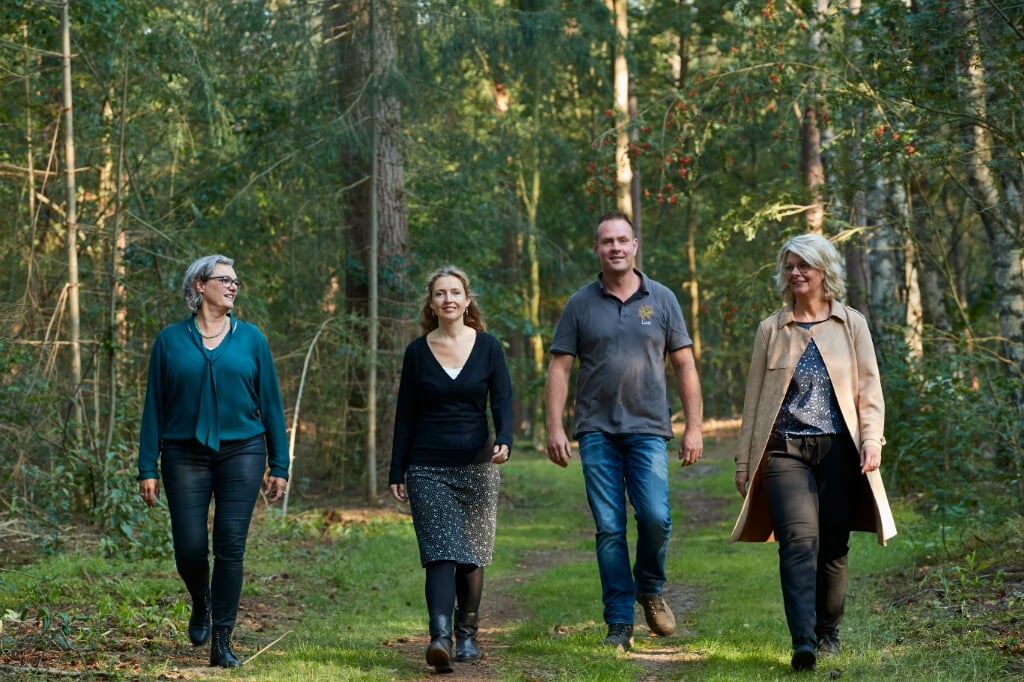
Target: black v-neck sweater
{"x":440,"y":421}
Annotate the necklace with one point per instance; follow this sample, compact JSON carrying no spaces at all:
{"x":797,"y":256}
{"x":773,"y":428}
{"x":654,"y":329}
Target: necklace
{"x":211,"y":336}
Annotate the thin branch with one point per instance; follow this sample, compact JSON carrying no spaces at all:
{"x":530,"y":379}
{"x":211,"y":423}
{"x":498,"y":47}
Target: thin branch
{"x":267,"y":647}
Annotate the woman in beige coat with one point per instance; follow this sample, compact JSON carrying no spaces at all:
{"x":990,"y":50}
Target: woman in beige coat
{"x":811,"y":443}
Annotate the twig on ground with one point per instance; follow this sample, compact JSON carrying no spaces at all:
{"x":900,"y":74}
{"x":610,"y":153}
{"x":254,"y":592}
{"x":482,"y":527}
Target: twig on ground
{"x":268,"y":646}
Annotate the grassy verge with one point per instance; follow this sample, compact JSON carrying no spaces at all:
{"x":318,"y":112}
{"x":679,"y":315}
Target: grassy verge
{"x":342,"y":598}
{"x":890,"y":631}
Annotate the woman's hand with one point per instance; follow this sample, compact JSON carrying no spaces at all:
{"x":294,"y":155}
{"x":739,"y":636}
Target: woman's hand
{"x":501,"y":454}
{"x":149,"y":489}
{"x":870,"y":457}
{"x":741,"y":482}
{"x":398,"y":492}
{"x":276,"y":487}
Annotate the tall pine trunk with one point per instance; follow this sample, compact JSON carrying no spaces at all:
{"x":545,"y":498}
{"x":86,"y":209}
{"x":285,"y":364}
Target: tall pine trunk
{"x":364,"y":31}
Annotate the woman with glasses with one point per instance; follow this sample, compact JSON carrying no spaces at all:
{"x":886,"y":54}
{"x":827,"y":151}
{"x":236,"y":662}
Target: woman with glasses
{"x":444,"y":457}
{"x":811,"y":443}
{"x":213,"y":418}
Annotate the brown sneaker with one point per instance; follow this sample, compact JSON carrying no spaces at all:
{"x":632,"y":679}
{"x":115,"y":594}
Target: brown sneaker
{"x":659,"y":616}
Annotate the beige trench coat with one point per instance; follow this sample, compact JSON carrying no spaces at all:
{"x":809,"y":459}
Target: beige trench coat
{"x":849,"y":354}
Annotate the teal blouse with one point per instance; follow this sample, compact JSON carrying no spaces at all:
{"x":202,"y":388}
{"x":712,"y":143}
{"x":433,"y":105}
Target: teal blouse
{"x":226,"y":394}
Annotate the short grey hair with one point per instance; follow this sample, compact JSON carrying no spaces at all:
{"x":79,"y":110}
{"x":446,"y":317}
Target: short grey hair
{"x":821,"y":254}
{"x":200,"y":271}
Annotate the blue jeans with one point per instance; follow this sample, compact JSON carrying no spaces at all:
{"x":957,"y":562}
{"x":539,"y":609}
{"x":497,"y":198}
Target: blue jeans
{"x":193,"y":475}
{"x":614,"y":466}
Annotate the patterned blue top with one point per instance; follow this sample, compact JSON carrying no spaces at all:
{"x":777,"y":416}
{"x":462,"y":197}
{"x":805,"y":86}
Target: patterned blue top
{"x":810,"y":407}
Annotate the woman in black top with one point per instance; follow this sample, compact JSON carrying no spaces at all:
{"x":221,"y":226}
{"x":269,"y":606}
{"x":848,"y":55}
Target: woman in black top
{"x":443,"y":457}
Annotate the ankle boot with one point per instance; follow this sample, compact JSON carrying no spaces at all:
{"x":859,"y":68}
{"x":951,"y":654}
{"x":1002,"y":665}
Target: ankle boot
{"x":465,"y":636}
{"x":439,"y":651}
{"x":199,"y":622}
{"x":221,"y":655}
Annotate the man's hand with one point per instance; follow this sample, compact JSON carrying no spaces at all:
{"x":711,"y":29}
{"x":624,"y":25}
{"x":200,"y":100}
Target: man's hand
{"x":691,"y":446}
{"x":559,"y":447}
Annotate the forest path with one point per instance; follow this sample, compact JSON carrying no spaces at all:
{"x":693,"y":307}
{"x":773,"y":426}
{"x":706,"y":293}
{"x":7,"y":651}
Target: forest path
{"x":502,"y":606}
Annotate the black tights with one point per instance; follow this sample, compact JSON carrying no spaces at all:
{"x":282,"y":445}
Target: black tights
{"x":449,"y":584}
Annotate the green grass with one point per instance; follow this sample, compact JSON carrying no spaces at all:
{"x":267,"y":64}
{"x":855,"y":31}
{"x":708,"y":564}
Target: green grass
{"x":348,"y":599}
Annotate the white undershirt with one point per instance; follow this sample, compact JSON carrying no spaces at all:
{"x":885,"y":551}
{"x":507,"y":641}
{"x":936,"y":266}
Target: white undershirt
{"x":453,"y":372}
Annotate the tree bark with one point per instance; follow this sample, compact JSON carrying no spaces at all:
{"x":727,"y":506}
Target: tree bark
{"x":71,"y":223}
{"x":996,"y":194}
{"x":620,"y":78}
{"x":375,"y":178}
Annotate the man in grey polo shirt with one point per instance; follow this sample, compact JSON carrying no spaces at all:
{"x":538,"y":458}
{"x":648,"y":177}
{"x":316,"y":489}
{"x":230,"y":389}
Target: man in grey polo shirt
{"x":622,"y":326}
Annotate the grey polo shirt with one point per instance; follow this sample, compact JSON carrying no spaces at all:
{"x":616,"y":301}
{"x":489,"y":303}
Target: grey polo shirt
{"x":622,"y":347}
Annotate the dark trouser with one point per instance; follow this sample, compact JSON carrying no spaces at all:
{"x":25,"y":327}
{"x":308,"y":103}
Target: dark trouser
{"x":449,"y":583}
{"x":193,"y":475}
{"x":810,"y":483}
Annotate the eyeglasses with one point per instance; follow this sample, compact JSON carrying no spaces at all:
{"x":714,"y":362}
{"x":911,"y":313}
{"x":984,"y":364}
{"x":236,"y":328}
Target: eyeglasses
{"x":803,"y":268}
{"x":226,"y":281}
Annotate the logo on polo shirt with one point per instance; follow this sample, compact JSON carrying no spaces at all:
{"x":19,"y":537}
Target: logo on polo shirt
{"x":645,"y":312}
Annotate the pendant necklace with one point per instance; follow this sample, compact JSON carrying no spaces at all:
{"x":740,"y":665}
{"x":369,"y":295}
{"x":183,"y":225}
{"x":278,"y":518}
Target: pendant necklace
{"x":211,"y":336}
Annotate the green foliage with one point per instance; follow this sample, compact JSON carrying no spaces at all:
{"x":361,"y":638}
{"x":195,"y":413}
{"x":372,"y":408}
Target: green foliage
{"x":245,"y":133}
{"x":953,"y":428}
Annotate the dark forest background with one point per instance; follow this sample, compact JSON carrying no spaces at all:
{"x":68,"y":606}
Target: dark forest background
{"x":340,"y":150}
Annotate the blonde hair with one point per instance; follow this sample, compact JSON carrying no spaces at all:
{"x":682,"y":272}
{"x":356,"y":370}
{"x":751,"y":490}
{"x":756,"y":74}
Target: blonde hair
{"x":820,"y":254}
{"x":474,"y":317}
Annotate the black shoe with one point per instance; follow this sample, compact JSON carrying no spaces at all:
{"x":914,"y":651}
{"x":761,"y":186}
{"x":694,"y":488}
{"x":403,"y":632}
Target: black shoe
{"x":620,"y":636}
{"x":465,"y":637}
{"x":221,"y":655}
{"x":439,"y":651}
{"x":828,"y":645}
{"x":804,"y":658}
{"x":199,"y":622}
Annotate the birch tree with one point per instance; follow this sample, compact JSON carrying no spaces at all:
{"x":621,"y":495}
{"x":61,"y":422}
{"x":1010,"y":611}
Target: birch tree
{"x":995,"y":170}
{"x":71,"y":226}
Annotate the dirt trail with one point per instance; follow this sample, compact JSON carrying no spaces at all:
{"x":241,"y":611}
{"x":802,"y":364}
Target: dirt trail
{"x":502,"y":608}
{"x":37,"y":653}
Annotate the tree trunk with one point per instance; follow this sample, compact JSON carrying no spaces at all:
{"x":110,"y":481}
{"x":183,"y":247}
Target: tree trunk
{"x":375,"y":178}
{"x":858,"y":290}
{"x":620,"y":78}
{"x":636,"y":187}
{"x":883,"y":244}
{"x":71,"y":222}
{"x":811,"y":164}
{"x":996,"y":196}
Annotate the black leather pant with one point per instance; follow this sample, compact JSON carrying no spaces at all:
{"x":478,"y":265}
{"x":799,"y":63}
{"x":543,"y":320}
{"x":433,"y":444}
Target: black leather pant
{"x":810,"y":484}
{"x":192,"y":476}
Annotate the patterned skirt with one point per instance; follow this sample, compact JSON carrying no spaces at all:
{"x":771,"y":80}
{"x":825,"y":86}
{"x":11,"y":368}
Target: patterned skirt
{"x":454,"y":511}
